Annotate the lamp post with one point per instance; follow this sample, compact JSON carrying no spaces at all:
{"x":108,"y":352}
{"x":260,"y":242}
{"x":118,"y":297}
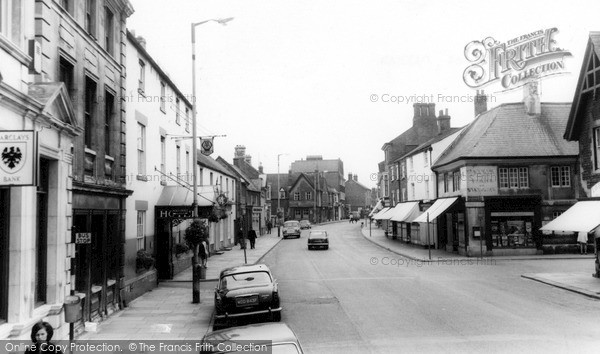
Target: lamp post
{"x":196,"y":269}
{"x":278,"y":197}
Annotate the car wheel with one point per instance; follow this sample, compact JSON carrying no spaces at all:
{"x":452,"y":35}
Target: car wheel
{"x":277,"y":316}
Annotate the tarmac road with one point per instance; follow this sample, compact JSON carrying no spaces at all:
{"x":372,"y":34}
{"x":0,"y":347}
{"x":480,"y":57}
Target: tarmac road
{"x":357,"y":298}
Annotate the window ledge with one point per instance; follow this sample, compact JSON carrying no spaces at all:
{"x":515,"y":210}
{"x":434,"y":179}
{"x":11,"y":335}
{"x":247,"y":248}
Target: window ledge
{"x":90,"y":151}
{"x":15,"y":51}
{"x":110,"y":158}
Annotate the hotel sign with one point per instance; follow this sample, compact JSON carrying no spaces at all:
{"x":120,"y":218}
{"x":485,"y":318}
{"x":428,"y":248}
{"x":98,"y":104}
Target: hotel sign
{"x":18,"y":157}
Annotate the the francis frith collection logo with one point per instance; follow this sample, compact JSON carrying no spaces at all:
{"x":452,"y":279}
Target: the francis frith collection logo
{"x":17,"y":158}
{"x":515,"y":62}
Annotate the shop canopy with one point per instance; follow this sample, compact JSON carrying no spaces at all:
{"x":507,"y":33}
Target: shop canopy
{"x":180,"y":195}
{"x":584,"y":216}
{"x":439,"y":207}
{"x":405,"y":212}
{"x":376,"y":209}
{"x":381,"y":214}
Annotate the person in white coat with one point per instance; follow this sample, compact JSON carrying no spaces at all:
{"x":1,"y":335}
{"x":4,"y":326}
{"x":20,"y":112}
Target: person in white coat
{"x":582,"y":239}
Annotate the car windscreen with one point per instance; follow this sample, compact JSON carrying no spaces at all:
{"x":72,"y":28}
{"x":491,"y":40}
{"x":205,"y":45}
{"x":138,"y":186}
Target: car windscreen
{"x":242,"y":280}
{"x":290,"y":224}
{"x":317,"y":235}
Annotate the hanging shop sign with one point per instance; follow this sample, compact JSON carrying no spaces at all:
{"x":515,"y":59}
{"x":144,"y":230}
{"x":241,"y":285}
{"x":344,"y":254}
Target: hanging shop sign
{"x":18,"y":157}
{"x":207,"y":146}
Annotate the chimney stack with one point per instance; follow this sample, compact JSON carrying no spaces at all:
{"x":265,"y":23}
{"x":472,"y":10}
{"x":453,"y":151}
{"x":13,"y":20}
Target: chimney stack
{"x":423,"y":110}
{"x":480,"y":103}
{"x":142,"y":41}
{"x":260,"y":168}
{"x":355,"y":178}
{"x":248,"y":159}
{"x":531,"y":99}
{"x":240,"y":151}
{"x":443,"y":121}
{"x":349,"y":176}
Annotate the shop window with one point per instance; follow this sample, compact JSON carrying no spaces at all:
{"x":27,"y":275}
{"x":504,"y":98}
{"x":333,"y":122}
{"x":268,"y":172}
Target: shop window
{"x":306,"y":213}
{"x":512,"y":229}
{"x":297,"y":214}
{"x":560,"y":176}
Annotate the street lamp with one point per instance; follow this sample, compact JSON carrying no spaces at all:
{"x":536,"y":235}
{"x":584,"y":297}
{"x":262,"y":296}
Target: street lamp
{"x":278,"y":197}
{"x":196,"y":269}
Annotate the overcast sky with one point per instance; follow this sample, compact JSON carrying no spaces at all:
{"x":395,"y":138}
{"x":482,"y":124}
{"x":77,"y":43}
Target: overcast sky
{"x":298,"y":77}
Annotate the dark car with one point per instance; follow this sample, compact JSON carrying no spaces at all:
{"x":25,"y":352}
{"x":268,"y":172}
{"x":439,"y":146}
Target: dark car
{"x":278,"y":336}
{"x":305,"y":224}
{"x":246,"y":290}
{"x":318,"y":238}
{"x":291,"y":228}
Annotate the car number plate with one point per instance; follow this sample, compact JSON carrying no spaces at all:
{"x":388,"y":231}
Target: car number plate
{"x":246,"y":301}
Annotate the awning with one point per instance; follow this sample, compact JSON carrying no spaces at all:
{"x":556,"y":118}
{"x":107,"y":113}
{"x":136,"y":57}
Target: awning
{"x":440,"y":206}
{"x":179,"y":195}
{"x":584,"y":216}
{"x":405,"y":212}
{"x":379,"y":216}
{"x":376,"y":209}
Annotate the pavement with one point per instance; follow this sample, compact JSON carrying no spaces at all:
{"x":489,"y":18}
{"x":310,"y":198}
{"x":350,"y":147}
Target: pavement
{"x":167,"y":312}
{"x":581,"y":283}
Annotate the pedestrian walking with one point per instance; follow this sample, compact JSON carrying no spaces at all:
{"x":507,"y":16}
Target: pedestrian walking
{"x":41,"y":334}
{"x":269,"y":226}
{"x":252,"y":237}
{"x":582,"y":239}
{"x":203,"y":253}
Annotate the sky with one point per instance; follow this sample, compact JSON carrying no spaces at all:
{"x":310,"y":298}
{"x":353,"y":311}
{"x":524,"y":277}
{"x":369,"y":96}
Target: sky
{"x":339,"y":78}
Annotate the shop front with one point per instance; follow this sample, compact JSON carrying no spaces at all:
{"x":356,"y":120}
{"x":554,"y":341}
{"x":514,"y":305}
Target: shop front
{"x":98,"y":235}
{"x":512,"y":225}
{"x":447,"y":226}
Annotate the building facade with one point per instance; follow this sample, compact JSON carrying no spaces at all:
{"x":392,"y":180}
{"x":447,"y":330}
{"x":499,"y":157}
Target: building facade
{"x":83,"y":45}
{"x":37,"y":130}
{"x":493,"y":198}
{"x":358,"y":196}
{"x":333,"y":171}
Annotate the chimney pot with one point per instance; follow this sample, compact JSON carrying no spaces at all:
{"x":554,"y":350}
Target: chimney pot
{"x":480,"y":102}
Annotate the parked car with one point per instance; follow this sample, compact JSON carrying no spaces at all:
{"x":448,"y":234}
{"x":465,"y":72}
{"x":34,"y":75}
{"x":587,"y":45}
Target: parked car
{"x":304,"y":224}
{"x":278,"y":336}
{"x":291,"y":228}
{"x":246,"y":290}
{"x":318,"y":238}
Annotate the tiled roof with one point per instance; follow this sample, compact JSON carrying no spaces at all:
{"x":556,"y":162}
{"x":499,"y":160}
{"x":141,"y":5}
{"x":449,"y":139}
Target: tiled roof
{"x":209,"y":162}
{"x":430,"y":142}
{"x":507,"y":131}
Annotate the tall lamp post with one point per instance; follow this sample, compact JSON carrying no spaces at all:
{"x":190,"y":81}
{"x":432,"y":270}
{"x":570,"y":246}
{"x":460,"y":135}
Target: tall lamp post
{"x":278,"y":197}
{"x":196,"y":269}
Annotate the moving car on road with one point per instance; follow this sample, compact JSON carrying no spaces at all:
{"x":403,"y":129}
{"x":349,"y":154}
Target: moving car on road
{"x":246,"y":290}
{"x":278,"y":336}
{"x":318,"y":238}
{"x":291,"y":228}
{"x":305,"y":224}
